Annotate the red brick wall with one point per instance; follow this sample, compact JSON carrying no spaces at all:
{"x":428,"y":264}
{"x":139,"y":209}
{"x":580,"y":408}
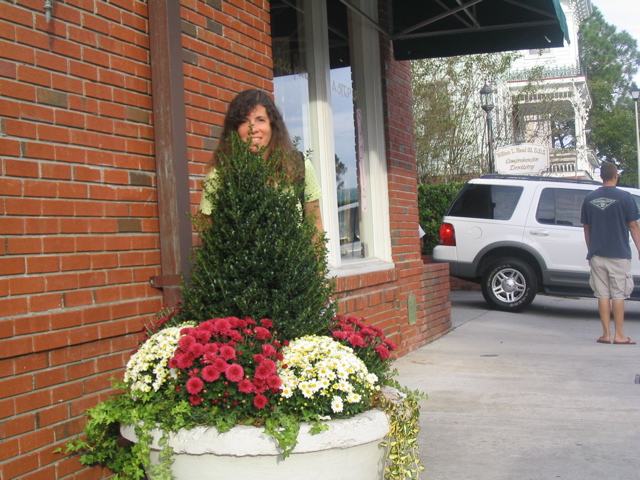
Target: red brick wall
{"x":78,"y":211}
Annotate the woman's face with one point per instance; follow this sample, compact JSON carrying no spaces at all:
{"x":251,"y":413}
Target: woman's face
{"x":257,"y":127}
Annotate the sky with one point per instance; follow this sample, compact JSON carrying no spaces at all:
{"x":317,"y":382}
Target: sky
{"x":625,"y":15}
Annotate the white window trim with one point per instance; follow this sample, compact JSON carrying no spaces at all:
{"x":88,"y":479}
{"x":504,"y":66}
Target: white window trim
{"x":376,"y":223}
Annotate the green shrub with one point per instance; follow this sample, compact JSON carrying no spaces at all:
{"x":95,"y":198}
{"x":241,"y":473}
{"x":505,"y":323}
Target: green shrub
{"x":260,"y":257}
{"x":433,"y":202}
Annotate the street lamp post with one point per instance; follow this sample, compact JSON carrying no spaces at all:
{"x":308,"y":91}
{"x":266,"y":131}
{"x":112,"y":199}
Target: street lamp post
{"x":634,"y":94}
{"x":486,"y":99}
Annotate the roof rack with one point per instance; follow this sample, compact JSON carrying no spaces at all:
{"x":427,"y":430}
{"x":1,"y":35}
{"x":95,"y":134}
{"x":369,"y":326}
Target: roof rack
{"x":538,"y":178}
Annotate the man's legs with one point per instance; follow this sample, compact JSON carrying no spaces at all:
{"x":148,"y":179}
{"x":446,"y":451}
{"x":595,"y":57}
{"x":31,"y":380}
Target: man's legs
{"x":604,"y":308}
{"x":618,"y":320}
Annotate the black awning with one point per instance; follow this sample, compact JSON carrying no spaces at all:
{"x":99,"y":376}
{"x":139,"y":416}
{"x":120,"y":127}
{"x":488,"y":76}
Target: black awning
{"x":444,"y":28}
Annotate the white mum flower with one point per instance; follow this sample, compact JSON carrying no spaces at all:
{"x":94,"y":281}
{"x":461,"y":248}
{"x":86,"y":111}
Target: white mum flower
{"x":147,"y":368}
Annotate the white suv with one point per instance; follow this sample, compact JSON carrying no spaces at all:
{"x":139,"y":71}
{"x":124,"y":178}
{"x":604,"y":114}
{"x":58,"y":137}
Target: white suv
{"x":517,"y":235}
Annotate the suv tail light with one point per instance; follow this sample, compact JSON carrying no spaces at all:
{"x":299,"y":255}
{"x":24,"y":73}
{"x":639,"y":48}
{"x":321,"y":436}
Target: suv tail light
{"x":447,"y":235}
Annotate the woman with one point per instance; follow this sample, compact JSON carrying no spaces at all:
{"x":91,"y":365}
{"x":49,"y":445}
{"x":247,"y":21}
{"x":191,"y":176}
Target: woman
{"x":256,"y":119}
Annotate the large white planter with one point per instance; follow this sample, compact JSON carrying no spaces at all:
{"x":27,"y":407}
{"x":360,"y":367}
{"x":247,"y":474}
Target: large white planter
{"x":349,"y":450}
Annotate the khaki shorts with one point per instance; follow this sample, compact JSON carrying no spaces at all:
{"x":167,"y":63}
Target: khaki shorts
{"x":611,"y":277}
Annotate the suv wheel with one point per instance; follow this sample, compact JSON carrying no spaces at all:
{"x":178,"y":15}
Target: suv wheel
{"x":509,"y":285}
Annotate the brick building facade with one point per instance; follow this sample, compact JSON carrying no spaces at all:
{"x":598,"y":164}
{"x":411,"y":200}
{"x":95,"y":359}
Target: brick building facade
{"x":83,"y":156}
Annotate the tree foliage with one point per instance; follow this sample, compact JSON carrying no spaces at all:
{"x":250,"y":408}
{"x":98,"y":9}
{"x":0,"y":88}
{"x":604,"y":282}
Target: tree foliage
{"x":447,"y":113}
{"x":611,"y":59}
{"x":259,"y":257}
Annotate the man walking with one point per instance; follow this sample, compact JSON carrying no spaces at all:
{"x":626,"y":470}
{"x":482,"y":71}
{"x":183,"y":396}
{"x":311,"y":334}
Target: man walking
{"x":609,"y":215}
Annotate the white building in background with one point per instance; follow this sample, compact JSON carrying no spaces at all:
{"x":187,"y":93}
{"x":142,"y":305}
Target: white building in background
{"x":548,"y":86}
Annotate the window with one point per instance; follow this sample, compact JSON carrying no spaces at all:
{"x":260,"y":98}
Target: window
{"x":328,"y":86}
{"x":559,"y":206}
{"x":493,"y":202}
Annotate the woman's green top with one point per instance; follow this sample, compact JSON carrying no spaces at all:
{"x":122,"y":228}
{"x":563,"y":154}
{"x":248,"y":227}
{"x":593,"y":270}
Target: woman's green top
{"x":312,"y":191}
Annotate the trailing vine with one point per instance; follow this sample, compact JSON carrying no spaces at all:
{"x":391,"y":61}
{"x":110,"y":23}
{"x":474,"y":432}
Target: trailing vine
{"x":403,"y":411}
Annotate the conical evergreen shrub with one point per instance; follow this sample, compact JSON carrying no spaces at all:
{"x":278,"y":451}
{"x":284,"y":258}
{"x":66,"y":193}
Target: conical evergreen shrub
{"x":259,"y":256}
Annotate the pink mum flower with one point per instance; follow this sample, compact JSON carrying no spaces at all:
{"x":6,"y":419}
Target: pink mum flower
{"x":227,"y":352}
{"x":266,"y":323}
{"x":235,"y":372}
{"x":260,"y":401}
{"x":382,"y":351}
{"x":268,"y":350}
{"x":274,"y":382}
{"x":210,"y":373}
{"x":262,"y":333}
{"x":194,"y":385}
{"x":265,"y":369}
{"x":245,"y":386}
{"x":357,"y":341}
{"x":220,"y":364}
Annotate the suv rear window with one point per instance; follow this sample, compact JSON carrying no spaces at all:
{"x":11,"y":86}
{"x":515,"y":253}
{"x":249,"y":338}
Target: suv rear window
{"x":494,"y":202}
{"x":560,"y":206}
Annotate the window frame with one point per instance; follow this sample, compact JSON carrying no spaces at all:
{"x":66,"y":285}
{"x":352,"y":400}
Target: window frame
{"x":365,"y":55}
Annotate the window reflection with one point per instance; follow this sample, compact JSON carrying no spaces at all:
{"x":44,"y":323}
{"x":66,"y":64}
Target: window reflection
{"x":292,"y":97}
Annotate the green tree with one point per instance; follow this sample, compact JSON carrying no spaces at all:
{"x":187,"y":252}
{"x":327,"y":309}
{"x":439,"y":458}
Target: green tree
{"x":447,"y":115}
{"x":611,"y":59}
{"x":259,"y":257}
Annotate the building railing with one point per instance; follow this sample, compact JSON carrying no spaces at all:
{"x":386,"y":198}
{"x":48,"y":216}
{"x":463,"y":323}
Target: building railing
{"x":555,"y":72}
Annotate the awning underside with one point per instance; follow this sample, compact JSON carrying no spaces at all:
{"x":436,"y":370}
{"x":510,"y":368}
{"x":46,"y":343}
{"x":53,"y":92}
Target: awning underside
{"x":444,"y":28}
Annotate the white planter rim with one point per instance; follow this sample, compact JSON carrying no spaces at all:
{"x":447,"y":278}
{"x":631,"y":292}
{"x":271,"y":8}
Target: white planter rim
{"x":242,"y":440}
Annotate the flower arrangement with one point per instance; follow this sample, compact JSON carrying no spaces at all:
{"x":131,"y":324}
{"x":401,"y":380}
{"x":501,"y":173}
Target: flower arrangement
{"x":230,"y":371}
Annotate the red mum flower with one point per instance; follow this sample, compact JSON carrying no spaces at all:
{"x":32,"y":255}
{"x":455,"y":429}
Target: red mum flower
{"x":220,"y":364}
{"x":366,"y":331}
{"x":203,"y":336}
{"x":239,"y":323}
{"x":356,"y":341}
{"x":184,"y":360}
{"x":390,"y":345}
{"x":262,"y":333}
{"x":186,"y":341}
{"x":260,"y":385}
{"x":194,"y":385}
{"x":265,"y":369}
{"x":210,"y":373}
{"x":173,"y":363}
{"x":259,"y":358}
{"x":274,"y":382}
{"x":195,"y":399}
{"x":235,"y":372}
{"x":236,"y":336}
{"x":221,"y":326}
{"x":268,"y":350}
{"x":245,"y":386}
{"x":266,"y":323}
{"x":382,"y":351}
{"x":227,"y":352}
{"x":196,"y":350}
{"x":260,"y":401}
{"x":207,"y":326}
{"x":340,"y":335}
{"x":187,"y":331}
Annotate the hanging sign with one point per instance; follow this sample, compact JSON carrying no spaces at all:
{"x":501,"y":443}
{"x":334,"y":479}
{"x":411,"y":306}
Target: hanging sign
{"x":522,"y":159}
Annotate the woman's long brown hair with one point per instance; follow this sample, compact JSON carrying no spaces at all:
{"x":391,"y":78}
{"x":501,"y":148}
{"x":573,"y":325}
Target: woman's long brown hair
{"x":288,"y":158}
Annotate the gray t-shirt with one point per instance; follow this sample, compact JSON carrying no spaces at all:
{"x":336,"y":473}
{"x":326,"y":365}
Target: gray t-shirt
{"x":608,"y":211}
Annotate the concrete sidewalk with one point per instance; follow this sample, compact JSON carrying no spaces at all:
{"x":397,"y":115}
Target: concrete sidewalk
{"x":529,"y":395}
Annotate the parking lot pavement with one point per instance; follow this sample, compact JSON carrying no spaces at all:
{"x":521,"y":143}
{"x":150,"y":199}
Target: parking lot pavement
{"x":528,"y":395}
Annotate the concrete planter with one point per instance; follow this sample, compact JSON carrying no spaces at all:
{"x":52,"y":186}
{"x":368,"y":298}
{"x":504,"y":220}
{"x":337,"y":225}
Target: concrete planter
{"x":349,"y":450}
